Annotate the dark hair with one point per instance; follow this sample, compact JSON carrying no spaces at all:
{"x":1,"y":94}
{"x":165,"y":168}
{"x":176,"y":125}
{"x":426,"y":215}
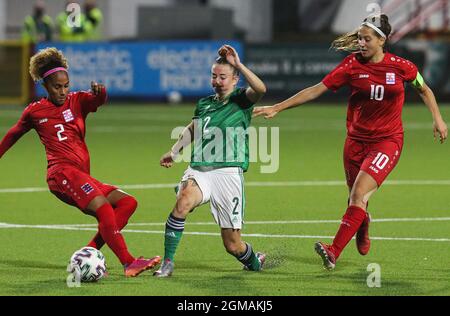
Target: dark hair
{"x":382,"y":22}
{"x":349,"y":41}
{"x":223,"y":61}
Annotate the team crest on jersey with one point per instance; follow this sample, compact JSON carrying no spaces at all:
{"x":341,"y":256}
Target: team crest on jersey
{"x":42,"y":121}
{"x":390,"y":78}
{"x":68,"y":116}
{"x":87,"y":188}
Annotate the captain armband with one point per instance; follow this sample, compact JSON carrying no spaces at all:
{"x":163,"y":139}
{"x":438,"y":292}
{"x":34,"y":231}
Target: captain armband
{"x":418,"y":82}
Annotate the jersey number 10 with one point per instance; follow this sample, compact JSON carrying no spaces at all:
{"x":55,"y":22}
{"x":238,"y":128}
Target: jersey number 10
{"x":376,"y":92}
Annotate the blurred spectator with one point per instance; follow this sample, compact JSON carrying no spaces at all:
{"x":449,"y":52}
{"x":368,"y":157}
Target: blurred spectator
{"x":95,"y":16}
{"x":66,"y":25}
{"x":39,"y":26}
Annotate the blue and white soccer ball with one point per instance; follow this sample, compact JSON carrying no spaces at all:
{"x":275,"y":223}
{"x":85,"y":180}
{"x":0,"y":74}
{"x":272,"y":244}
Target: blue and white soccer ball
{"x":87,"y":265}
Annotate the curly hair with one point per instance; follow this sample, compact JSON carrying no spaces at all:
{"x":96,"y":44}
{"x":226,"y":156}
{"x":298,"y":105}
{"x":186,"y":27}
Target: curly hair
{"x":45,"y":60}
{"x":349,"y":41}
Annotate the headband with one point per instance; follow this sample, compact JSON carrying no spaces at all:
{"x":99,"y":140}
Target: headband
{"x":52,"y":71}
{"x":376,"y":29}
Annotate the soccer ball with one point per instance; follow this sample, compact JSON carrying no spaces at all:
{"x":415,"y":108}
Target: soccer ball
{"x":87,"y":265}
{"x":174,"y":97}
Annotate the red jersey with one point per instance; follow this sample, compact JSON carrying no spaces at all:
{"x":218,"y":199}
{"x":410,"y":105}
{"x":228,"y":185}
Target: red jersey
{"x":61,"y":129}
{"x":377,"y":95}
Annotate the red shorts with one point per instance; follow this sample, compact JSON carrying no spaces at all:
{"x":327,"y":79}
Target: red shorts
{"x":377,"y":159}
{"x":76,"y":188}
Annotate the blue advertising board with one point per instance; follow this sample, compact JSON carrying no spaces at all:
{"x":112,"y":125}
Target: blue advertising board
{"x":142,"y":69}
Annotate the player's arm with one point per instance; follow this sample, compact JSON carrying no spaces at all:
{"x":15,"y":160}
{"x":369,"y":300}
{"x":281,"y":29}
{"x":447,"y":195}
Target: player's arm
{"x":13,"y":135}
{"x":185,"y":139}
{"x":91,"y":100}
{"x":439,"y":127}
{"x":257,"y":88}
{"x":300,"y":98}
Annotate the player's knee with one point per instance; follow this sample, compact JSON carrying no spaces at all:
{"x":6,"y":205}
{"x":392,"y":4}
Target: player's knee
{"x":132,"y":203}
{"x":357,"y":197}
{"x":183,"y":206}
{"x":95,"y":204}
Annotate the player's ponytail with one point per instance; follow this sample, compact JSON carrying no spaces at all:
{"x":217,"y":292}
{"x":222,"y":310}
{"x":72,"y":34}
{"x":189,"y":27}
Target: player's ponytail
{"x":46,"y":60}
{"x":349,"y":42}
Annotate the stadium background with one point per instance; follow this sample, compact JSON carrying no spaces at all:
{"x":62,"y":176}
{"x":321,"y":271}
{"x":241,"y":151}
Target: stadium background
{"x":153,"y":51}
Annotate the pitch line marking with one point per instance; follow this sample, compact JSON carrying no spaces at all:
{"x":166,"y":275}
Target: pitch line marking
{"x":72,"y":228}
{"x":248,"y":184}
{"x":325,"y":221}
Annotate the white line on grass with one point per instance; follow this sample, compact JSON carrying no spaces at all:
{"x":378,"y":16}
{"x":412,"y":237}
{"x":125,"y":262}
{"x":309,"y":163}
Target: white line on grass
{"x":325,"y":221}
{"x":72,"y":228}
{"x":248,"y":184}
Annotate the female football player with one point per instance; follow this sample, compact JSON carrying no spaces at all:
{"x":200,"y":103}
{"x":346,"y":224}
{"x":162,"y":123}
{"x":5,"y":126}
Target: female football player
{"x":59,"y":120}
{"x":374,"y":126}
{"x":216,"y":171}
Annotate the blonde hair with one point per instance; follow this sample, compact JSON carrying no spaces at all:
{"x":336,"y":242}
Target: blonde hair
{"x":45,"y":60}
{"x":347,"y":42}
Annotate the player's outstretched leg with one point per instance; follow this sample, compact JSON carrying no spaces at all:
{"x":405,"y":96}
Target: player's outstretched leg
{"x":110,"y":233}
{"x":188,"y":198}
{"x":241,"y":250}
{"x":124,"y":209}
{"x":172,"y":237}
{"x":364,"y":186}
{"x":350,"y":224}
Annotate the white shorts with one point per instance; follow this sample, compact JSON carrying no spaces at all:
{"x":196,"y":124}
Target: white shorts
{"x":224,"y":189}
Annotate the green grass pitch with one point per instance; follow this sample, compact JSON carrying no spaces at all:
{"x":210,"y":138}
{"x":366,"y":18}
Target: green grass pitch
{"x":284,"y":218}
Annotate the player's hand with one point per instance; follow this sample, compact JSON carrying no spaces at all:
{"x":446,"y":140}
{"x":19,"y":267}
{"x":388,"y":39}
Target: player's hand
{"x":440,"y":130}
{"x":268,"y":111}
{"x":96,"y":88}
{"x":231,"y":55}
{"x":167,"y":160}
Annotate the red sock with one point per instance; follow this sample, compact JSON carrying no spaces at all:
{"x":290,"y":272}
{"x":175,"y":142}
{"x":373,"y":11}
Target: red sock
{"x":125,"y":208}
{"x":108,"y":229}
{"x":352,"y":220}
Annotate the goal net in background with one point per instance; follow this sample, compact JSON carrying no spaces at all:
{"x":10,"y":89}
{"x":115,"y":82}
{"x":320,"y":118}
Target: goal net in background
{"x":14,"y":77}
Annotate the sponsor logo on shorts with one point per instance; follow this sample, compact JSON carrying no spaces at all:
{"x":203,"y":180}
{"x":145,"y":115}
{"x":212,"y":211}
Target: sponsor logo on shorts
{"x":87,"y":188}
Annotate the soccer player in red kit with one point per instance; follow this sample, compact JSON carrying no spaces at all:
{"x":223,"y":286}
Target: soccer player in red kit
{"x":59,"y":120}
{"x":374,"y":126}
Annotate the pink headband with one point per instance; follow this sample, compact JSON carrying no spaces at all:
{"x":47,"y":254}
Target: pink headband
{"x":51,"y":71}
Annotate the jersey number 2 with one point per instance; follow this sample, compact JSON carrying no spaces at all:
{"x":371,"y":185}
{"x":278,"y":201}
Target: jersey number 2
{"x":60,"y":128}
